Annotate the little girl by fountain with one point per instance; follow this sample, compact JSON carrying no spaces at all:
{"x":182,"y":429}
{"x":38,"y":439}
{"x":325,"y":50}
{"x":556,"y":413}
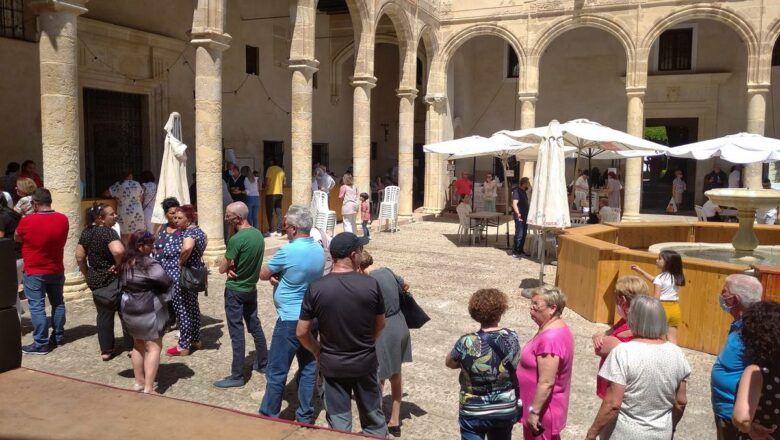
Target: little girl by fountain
{"x":667,"y":287}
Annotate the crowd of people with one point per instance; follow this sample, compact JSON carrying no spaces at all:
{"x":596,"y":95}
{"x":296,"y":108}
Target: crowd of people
{"x":339,"y":316}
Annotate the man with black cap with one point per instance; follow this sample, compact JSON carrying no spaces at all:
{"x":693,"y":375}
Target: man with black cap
{"x":43,"y":234}
{"x":351,"y":315}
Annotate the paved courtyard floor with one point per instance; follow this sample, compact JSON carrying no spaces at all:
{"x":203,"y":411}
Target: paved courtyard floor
{"x":442,"y":274}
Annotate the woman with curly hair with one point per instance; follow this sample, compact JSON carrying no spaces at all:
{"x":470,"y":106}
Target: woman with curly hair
{"x":488,"y":396}
{"x":756,"y":407}
{"x":545,"y":365}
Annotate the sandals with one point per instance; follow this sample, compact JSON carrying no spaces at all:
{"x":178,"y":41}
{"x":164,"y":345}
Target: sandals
{"x":395,"y":431}
{"x":107,"y":356}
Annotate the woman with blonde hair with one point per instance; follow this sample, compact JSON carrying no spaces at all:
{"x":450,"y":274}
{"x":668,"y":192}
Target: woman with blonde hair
{"x":626,"y":289}
{"x":349,"y":196}
{"x":25,"y":187}
{"x":545,"y":367}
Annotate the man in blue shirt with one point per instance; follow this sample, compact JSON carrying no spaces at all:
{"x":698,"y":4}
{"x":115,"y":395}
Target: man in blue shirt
{"x":291,"y":270}
{"x":739,"y":293}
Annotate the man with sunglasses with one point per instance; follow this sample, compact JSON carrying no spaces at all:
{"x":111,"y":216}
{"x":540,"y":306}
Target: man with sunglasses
{"x":43,"y":234}
{"x":290,"y":271}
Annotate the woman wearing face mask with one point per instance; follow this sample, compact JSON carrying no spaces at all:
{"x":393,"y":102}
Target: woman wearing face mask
{"x":626,"y":289}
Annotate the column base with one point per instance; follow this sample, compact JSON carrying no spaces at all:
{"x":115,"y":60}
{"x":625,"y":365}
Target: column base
{"x":630,"y":218}
{"x":432,"y":211}
{"x":213,"y":255}
{"x":75,"y":287}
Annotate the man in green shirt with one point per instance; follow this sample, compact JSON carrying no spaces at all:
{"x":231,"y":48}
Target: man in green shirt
{"x":241,"y":264}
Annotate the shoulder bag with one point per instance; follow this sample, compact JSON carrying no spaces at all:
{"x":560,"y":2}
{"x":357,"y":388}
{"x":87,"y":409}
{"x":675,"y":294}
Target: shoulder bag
{"x":195,"y":280}
{"x":108,"y":296}
{"x":507,"y":363}
{"x":414,"y":314}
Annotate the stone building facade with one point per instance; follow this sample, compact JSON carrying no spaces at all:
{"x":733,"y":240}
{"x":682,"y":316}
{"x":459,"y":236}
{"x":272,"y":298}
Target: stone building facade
{"x":87,"y":85}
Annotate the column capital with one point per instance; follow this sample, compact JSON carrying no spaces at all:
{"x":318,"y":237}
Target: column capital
{"x":762,"y":89}
{"x":211,"y":39}
{"x":635,"y":92}
{"x":528,"y":96}
{"x":367,"y":82}
{"x":75,"y":7}
{"x":435,"y":99}
{"x":307,"y":67}
{"x":407,"y":93}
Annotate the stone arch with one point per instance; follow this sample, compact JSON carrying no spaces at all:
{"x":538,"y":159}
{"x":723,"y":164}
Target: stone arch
{"x":407,"y":46}
{"x":721,"y":15}
{"x":340,"y":58}
{"x":437,"y":77}
{"x":607,"y":25}
{"x":428,"y":36}
{"x":773,"y":34}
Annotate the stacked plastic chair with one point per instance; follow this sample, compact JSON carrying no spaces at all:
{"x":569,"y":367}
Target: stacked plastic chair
{"x":324,"y":217}
{"x":388,"y":209}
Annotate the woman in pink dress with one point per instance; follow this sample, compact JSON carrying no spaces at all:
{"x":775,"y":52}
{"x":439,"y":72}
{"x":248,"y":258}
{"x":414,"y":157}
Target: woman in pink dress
{"x":544,"y":371}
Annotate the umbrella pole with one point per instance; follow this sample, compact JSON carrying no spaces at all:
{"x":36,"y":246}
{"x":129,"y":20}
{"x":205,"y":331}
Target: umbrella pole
{"x":473,"y":181}
{"x":507,"y":204}
{"x":590,"y":191}
{"x":541,"y":257}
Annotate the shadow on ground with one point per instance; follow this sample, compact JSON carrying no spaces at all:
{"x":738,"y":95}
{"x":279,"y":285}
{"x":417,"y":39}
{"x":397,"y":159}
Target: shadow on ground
{"x":167,"y":375}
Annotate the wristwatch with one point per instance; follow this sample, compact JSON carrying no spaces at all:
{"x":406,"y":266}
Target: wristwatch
{"x":531,"y":410}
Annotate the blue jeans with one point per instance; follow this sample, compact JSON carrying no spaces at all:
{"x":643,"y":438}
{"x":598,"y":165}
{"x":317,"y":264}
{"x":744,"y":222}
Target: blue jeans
{"x":521,"y":230}
{"x":366,"y":232}
{"x":472,"y":428}
{"x":285,"y":346}
{"x":36,"y":289}
{"x":253,"y":203}
{"x":241,"y":307}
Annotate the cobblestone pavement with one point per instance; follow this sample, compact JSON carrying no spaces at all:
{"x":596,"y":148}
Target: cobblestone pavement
{"x":443,"y":274}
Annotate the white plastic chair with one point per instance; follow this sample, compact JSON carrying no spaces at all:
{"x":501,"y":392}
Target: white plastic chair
{"x":699,"y":213}
{"x":579,"y":220}
{"x":324,"y":217}
{"x":611,"y":215}
{"x":388,"y":209}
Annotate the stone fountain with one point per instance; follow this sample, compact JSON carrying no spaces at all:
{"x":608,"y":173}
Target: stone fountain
{"x":744,"y":247}
{"x":746,"y":201}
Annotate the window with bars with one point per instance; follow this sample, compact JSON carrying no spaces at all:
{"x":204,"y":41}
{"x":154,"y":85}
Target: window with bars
{"x":12,"y":19}
{"x":675,"y":50}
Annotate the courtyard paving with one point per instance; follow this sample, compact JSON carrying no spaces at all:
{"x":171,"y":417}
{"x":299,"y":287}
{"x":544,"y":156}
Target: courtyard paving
{"x":442,"y":273}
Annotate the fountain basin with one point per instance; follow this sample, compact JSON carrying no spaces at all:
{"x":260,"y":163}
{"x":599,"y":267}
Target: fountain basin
{"x":722,"y":252}
{"x":746,"y":201}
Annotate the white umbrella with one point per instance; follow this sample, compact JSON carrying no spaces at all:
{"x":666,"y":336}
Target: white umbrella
{"x":173,"y":173}
{"x":549,"y":208}
{"x":500,"y":146}
{"x":736,"y":148}
{"x":593,"y":140}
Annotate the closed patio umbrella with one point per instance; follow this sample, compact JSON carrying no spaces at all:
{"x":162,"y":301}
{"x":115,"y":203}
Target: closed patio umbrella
{"x":549,"y":206}
{"x":173,"y":172}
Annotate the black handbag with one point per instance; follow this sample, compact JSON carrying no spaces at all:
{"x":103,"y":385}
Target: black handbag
{"x":108,"y":296}
{"x":414,"y":314}
{"x":195,"y":280}
{"x":507,"y":363}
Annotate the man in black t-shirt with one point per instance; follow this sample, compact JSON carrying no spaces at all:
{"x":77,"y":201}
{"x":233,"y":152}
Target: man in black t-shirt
{"x":520,"y":207}
{"x":351,"y":315}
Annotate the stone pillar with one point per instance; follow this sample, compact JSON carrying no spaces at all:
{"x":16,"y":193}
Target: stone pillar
{"x":208,"y":137}
{"x":301,"y":124}
{"x":756,"y":121}
{"x":60,"y":121}
{"x":436,"y":174}
{"x":406,"y":150}
{"x":527,"y":120}
{"x":633,"y":180}
{"x":361,"y":131}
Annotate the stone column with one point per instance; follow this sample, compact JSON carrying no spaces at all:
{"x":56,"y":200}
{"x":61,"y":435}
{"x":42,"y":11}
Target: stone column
{"x":633,"y":180}
{"x":756,"y":121}
{"x":301,"y":123}
{"x":436,"y":174}
{"x":527,"y":120}
{"x":361,"y":131}
{"x":208,"y":137}
{"x":406,"y":150}
{"x":60,"y":121}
